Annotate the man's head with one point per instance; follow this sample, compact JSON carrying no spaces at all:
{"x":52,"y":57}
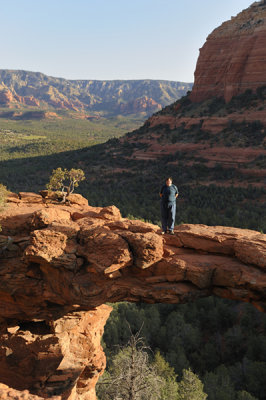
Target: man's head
{"x":168,"y":181}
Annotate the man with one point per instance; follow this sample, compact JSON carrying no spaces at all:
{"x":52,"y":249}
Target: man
{"x":168,"y":194}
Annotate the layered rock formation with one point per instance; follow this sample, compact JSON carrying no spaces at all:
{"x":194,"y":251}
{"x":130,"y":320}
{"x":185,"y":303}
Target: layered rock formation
{"x":25,"y":88}
{"x":233,"y":58}
{"x":9,"y":98}
{"x":139,"y":105}
{"x":6,"y":97}
{"x":60,"y":264}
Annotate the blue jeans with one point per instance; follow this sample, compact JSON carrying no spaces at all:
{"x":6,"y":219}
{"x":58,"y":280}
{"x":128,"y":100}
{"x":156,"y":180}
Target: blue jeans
{"x":168,"y":211}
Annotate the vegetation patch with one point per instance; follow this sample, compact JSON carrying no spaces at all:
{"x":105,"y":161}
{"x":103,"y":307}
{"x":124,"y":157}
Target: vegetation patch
{"x":223,"y":342}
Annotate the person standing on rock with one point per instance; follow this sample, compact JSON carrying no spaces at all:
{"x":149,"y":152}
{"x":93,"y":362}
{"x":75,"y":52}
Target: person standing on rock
{"x":168,"y":194}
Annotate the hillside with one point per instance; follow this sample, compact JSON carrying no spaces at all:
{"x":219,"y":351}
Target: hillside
{"x":119,"y":97}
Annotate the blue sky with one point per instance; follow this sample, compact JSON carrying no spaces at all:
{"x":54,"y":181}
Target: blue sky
{"x":110,"y":39}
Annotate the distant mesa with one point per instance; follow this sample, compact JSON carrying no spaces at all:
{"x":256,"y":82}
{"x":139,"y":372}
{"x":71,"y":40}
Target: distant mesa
{"x":233,"y":58}
{"x":23,"y":88}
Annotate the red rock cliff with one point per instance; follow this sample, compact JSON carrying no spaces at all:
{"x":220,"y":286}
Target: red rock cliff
{"x":59,"y":264}
{"x":233,"y":58}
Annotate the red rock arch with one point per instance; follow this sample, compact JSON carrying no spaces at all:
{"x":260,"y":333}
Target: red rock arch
{"x":60,"y":264}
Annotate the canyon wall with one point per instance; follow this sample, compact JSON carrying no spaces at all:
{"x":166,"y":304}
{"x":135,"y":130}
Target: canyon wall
{"x":233,"y":58}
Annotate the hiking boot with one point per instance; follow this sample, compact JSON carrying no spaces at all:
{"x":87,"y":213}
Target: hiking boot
{"x":171,"y":232}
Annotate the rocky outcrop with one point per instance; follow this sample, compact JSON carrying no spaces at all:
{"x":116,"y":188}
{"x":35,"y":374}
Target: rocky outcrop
{"x":233,"y":58}
{"x":6,"y":97}
{"x":62,"y":356}
{"x":60,"y":264}
{"x":9,"y":97}
{"x":142,"y":104}
{"x":29,"y":101}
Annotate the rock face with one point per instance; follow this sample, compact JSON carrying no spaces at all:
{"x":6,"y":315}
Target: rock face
{"x":9,"y":97}
{"x":142,"y":104}
{"x":6,"y":97}
{"x":62,"y":356}
{"x":60,"y":264}
{"x":233,"y":58}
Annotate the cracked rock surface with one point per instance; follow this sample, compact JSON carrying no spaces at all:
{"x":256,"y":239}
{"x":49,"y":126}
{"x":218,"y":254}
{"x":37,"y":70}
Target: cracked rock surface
{"x":59,"y":264}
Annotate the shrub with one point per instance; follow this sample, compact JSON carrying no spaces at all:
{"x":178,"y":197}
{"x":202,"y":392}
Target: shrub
{"x":65,"y":181}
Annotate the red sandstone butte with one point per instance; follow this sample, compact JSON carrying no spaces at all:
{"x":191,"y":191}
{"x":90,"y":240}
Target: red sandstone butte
{"x":233,"y":58}
{"x":60,"y":263}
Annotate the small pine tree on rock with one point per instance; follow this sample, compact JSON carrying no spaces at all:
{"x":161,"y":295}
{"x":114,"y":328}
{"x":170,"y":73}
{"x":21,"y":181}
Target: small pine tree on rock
{"x":65,"y":181}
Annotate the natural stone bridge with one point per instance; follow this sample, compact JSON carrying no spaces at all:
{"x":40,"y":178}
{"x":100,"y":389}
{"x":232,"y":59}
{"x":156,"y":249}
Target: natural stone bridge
{"x":59,"y":264}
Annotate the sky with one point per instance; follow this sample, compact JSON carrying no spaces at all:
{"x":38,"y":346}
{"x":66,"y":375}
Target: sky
{"x":110,"y":39}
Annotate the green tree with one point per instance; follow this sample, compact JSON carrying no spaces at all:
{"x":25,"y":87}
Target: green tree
{"x":131,"y":376}
{"x":191,"y":387}
{"x":255,"y":377}
{"x":169,"y":385}
{"x":65,"y":181}
{"x":243,"y":395}
{"x":218,"y":384}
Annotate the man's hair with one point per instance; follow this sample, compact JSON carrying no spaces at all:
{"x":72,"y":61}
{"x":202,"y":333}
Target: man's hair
{"x":169,"y":177}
